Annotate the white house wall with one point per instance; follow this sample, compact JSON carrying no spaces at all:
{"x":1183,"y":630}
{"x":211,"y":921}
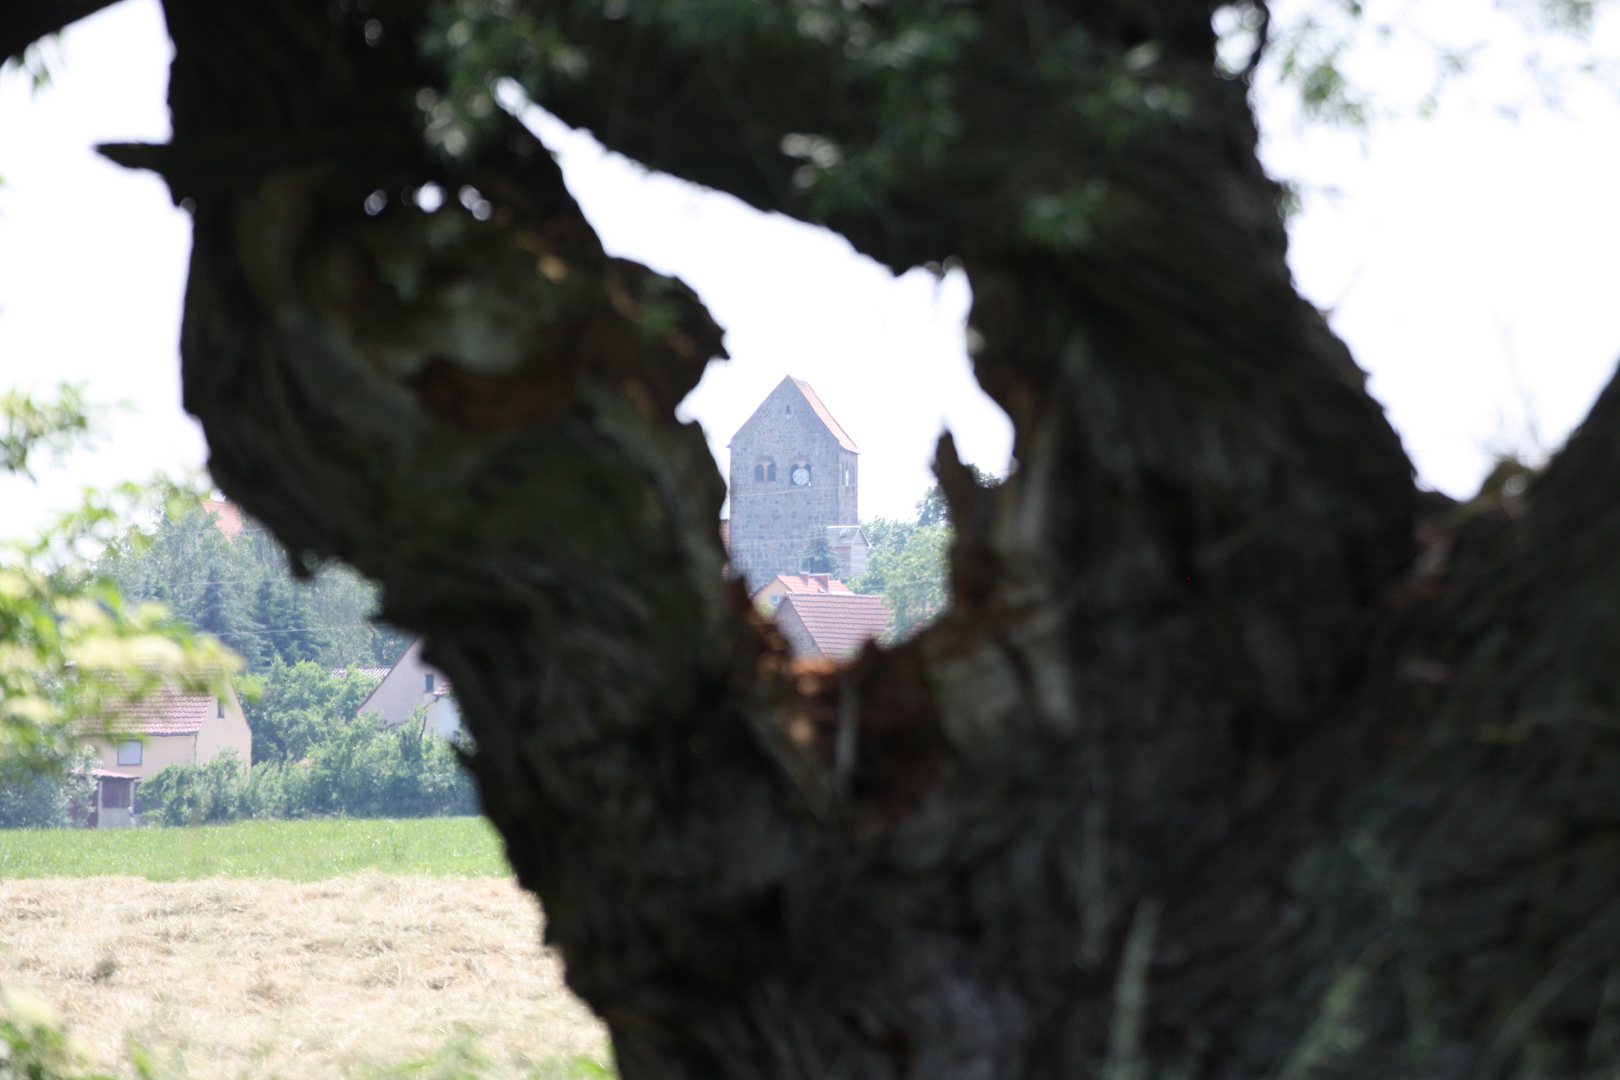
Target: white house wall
{"x":404,"y":688}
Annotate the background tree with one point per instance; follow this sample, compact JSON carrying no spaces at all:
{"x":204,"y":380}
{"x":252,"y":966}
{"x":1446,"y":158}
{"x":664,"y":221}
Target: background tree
{"x":242,"y":591}
{"x":818,"y":557}
{"x":1234,"y":755}
{"x":909,"y":562}
{"x":73,"y":649}
{"x":299,"y":706}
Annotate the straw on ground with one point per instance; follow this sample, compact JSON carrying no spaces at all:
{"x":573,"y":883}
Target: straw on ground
{"x":246,"y":978}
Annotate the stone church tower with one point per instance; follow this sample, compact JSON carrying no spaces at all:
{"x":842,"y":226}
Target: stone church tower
{"x":794,"y":472}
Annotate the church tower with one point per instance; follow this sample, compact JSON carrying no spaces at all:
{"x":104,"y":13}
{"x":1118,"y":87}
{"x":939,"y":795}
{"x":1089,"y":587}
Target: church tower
{"x":794,"y":473}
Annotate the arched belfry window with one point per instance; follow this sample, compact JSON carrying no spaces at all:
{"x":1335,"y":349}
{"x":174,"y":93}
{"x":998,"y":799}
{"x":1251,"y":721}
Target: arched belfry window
{"x":759,"y":472}
{"x":770,"y":472}
{"x":788,"y":411}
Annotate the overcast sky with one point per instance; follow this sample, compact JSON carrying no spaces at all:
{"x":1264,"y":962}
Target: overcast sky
{"x":1467,"y":259}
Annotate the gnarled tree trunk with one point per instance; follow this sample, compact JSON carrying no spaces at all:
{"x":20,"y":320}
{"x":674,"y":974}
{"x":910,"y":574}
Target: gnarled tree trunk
{"x":1235,"y":756}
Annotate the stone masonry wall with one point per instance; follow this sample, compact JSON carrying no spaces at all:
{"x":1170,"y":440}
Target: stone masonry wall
{"x":772,"y":520}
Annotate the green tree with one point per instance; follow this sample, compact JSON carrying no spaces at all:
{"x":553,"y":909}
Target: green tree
{"x":195,"y":794}
{"x":361,"y":768}
{"x":932,"y":509}
{"x":221,"y":609}
{"x":818,"y":556}
{"x":914,"y":579}
{"x":1235,"y":754}
{"x":909,"y":561}
{"x":299,"y":707}
{"x":292,"y":628}
{"x":30,"y":799}
{"x":73,"y":650}
{"x":242,"y":591}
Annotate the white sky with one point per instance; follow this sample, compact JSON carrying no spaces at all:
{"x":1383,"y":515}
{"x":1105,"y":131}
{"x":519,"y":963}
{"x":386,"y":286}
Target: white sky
{"x":1468,"y":260}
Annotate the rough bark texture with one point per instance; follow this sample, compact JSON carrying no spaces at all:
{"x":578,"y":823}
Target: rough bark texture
{"x":1233,"y":756}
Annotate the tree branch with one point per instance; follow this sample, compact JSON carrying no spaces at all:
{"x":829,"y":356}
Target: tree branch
{"x":27,"y":21}
{"x":1174,"y":673}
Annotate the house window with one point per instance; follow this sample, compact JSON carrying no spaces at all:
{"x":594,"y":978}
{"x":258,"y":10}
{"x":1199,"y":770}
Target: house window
{"x":788,"y":411}
{"x":129,"y":752}
{"x":759,"y":472}
{"x":427,"y":683}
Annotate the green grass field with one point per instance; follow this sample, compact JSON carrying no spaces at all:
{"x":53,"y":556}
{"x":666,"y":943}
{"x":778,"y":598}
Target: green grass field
{"x":290,"y":850}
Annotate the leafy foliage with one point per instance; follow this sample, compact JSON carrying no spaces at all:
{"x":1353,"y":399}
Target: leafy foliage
{"x":242,"y":591}
{"x":909,"y":562}
{"x":73,"y":650}
{"x":818,"y":557}
{"x":195,"y":794}
{"x":361,"y":768}
{"x":28,"y":425}
{"x":30,"y":800}
{"x":300,"y":706}
{"x":908,"y":565}
{"x":1342,"y":61}
{"x":35,"y":1044}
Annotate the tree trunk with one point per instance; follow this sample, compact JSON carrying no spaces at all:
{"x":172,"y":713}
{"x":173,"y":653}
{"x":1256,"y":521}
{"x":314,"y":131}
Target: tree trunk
{"x":1235,"y":756}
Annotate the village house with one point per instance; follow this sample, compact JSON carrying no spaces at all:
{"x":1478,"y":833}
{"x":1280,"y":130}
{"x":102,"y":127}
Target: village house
{"x":169,"y":727}
{"x":769,"y":596}
{"x":411,"y":684}
{"x":830,"y":624}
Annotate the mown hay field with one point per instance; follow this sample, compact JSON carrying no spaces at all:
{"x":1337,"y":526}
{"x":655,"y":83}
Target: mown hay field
{"x":256,"y":975}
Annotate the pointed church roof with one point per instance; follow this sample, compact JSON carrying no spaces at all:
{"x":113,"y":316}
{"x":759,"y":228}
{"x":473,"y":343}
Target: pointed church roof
{"x":826,"y":417}
{"x":809,"y":394}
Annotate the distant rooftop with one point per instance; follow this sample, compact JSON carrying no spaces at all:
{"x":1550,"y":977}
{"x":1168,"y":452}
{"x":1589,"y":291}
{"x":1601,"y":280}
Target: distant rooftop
{"x":164,"y":712}
{"x":367,"y":672}
{"x":227,"y":516}
{"x":826,"y":417}
{"x":804,"y":583}
{"x":836,"y":624}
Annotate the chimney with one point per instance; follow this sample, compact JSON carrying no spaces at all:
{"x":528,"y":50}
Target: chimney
{"x":821,"y":579}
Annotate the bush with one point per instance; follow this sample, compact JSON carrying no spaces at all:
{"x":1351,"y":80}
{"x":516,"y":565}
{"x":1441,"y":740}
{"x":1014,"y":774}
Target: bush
{"x":34,"y":1043}
{"x":302,"y":706}
{"x":33,"y":800}
{"x":194,"y":794}
{"x":363,"y":769}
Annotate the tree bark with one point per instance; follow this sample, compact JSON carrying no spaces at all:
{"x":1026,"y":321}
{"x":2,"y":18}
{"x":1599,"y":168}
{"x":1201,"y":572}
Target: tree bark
{"x":26,"y":21}
{"x":1234,"y":755}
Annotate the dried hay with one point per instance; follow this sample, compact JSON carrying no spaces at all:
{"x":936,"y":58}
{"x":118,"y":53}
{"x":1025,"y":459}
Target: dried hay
{"x":243,"y":977}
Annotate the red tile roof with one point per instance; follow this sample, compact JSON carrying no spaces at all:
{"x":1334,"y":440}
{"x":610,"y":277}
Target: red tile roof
{"x":826,"y":417}
{"x":838,"y":623}
{"x":165,"y":712}
{"x":805,"y":583}
{"x":227,"y":516}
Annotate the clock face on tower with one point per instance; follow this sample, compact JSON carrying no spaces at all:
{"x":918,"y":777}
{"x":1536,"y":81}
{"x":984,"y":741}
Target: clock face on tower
{"x":801,"y":476}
